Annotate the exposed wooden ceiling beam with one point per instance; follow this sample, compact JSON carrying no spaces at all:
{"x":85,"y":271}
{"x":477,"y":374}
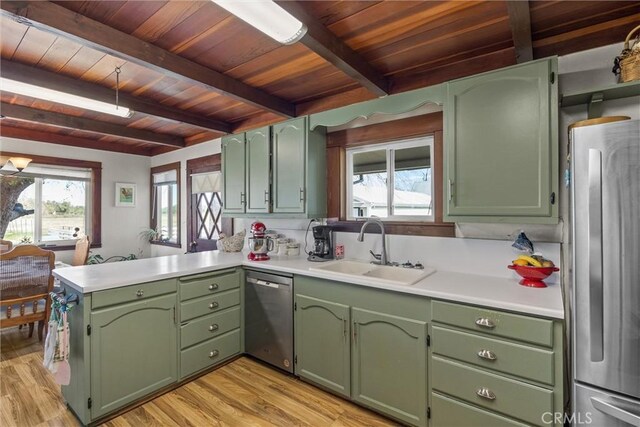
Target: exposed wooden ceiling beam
{"x":56,"y":19}
{"x":54,"y":81}
{"x":520,"y":23}
{"x":72,"y":141}
{"x":29,"y":114}
{"x":324,"y":43}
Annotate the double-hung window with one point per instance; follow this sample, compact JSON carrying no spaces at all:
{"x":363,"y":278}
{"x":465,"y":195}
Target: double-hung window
{"x":54,"y":208}
{"x":165,"y":204}
{"x":393,"y":181}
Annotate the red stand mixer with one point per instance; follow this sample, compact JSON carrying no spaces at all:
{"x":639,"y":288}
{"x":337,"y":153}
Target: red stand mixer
{"x":259,"y":243}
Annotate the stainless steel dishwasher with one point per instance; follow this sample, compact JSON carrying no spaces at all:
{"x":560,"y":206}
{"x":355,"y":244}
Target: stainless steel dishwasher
{"x":268,"y":318}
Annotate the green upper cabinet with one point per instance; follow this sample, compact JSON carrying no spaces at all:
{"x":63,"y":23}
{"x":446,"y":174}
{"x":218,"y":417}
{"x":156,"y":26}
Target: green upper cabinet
{"x":389,"y":364}
{"x":276,"y":170}
{"x":289,"y":164}
{"x":501,"y":145}
{"x":233,"y":172}
{"x":258,"y":148}
{"x":122,"y":338}
{"x":323,"y":343}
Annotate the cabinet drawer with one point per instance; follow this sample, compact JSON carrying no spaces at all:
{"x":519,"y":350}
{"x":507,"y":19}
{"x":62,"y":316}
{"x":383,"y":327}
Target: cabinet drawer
{"x":199,"y":286}
{"x":208,"y":327}
{"x":208,"y":304}
{"x":499,"y":323}
{"x":515,"y":359}
{"x":132,"y":293}
{"x":209,"y":353}
{"x":513,"y":398}
{"x":447,"y":412}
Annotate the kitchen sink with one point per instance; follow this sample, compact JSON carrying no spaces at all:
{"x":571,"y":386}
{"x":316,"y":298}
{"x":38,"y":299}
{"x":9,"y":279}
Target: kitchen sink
{"x":375,"y":273}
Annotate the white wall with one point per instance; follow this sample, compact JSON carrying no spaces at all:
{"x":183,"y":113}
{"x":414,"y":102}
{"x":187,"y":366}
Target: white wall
{"x":199,"y":150}
{"x":120,"y":226}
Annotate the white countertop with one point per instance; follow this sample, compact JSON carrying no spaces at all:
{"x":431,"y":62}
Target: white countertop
{"x":494,"y":292}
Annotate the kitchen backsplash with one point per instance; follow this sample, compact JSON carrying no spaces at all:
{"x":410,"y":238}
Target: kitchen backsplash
{"x":474,"y":256}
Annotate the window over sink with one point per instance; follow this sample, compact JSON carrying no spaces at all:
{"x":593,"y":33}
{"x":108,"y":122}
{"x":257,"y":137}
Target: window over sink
{"x":392,"y":181}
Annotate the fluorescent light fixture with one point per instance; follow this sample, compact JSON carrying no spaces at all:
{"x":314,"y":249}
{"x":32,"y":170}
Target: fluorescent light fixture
{"x":20,"y":162}
{"x":34,"y":91}
{"x":268,"y":17}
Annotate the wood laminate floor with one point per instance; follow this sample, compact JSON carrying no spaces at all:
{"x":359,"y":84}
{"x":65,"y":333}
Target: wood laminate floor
{"x":242,"y":393}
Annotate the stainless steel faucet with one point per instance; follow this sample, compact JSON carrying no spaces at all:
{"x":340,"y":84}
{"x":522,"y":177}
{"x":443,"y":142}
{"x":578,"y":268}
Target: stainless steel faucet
{"x":382,"y":258}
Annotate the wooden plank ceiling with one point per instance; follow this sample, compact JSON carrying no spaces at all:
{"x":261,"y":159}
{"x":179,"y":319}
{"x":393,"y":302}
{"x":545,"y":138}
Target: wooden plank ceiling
{"x":193,"y":72}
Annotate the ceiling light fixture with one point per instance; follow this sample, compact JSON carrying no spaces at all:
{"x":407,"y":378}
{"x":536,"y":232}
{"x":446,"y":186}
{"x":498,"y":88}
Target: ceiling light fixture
{"x":268,"y":17}
{"x":51,"y":95}
{"x":19,"y":162}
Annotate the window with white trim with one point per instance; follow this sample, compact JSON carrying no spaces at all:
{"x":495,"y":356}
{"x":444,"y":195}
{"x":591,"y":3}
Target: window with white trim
{"x":165,"y":207}
{"x":393,"y":181}
{"x":55,"y":209}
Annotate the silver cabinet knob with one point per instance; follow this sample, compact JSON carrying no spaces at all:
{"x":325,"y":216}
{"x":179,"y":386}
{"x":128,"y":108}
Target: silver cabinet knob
{"x":139,"y":293}
{"x":213,"y":287}
{"x":485,"y":323}
{"x":485,"y":393}
{"x":213,"y":354}
{"x":213,"y":305}
{"x":213,"y":327}
{"x":487,"y":355}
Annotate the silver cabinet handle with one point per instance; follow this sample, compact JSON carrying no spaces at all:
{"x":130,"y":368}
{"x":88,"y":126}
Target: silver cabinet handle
{"x":242,"y":201}
{"x":302,"y":194}
{"x":213,"y":305}
{"x":213,"y":354}
{"x":450,"y":190}
{"x":484,"y":322}
{"x":594,"y":230}
{"x":487,"y":355}
{"x":616,"y":412}
{"x":266,"y":196}
{"x":213,"y":327}
{"x":139,"y":293}
{"x":485,"y":393}
{"x":213,"y":287}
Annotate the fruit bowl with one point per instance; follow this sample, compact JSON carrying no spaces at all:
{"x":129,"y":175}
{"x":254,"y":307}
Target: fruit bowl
{"x":533,"y":276}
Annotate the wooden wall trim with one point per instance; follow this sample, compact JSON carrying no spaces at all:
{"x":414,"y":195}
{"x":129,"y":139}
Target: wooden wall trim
{"x":425,"y":124}
{"x":339,"y":141}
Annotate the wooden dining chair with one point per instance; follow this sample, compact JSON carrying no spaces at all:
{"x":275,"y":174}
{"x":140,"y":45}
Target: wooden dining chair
{"x":80,"y":255}
{"x":25,"y":283}
{"x":82,"y":251}
{"x":5,"y":245}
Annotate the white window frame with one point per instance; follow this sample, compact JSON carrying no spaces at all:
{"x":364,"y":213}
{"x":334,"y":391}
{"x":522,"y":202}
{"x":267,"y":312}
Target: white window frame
{"x":37,"y":232}
{"x":390,"y":160}
{"x":171,"y":196}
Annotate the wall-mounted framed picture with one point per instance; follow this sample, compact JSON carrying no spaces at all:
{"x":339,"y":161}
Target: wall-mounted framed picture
{"x":125,"y":194}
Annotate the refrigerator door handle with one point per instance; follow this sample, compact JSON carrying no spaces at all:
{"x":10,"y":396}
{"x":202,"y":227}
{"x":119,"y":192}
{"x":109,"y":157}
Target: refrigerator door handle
{"x":616,"y":412}
{"x":594,"y":224}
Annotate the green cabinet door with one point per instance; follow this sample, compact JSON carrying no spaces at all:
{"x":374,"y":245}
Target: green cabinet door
{"x":389,"y":365}
{"x":233,"y":174}
{"x":289,"y":166}
{"x":257,"y":170}
{"x":322,"y":343}
{"x":133,"y":352}
{"x":501,"y":155}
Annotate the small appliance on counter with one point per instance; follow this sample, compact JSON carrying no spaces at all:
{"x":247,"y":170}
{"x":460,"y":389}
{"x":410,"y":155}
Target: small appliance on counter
{"x":259,"y":243}
{"x":322,"y":244}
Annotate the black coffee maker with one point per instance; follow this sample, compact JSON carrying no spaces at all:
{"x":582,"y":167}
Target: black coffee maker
{"x":322,"y":244}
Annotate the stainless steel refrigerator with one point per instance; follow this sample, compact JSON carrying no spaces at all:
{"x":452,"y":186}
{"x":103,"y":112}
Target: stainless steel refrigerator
{"x":605,"y":162}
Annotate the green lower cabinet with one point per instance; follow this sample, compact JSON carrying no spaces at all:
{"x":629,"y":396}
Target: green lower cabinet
{"x":122,"y":339}
{"x":389,"y":365}
{"x":448,"y":412}
{"x":323,"y":344}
